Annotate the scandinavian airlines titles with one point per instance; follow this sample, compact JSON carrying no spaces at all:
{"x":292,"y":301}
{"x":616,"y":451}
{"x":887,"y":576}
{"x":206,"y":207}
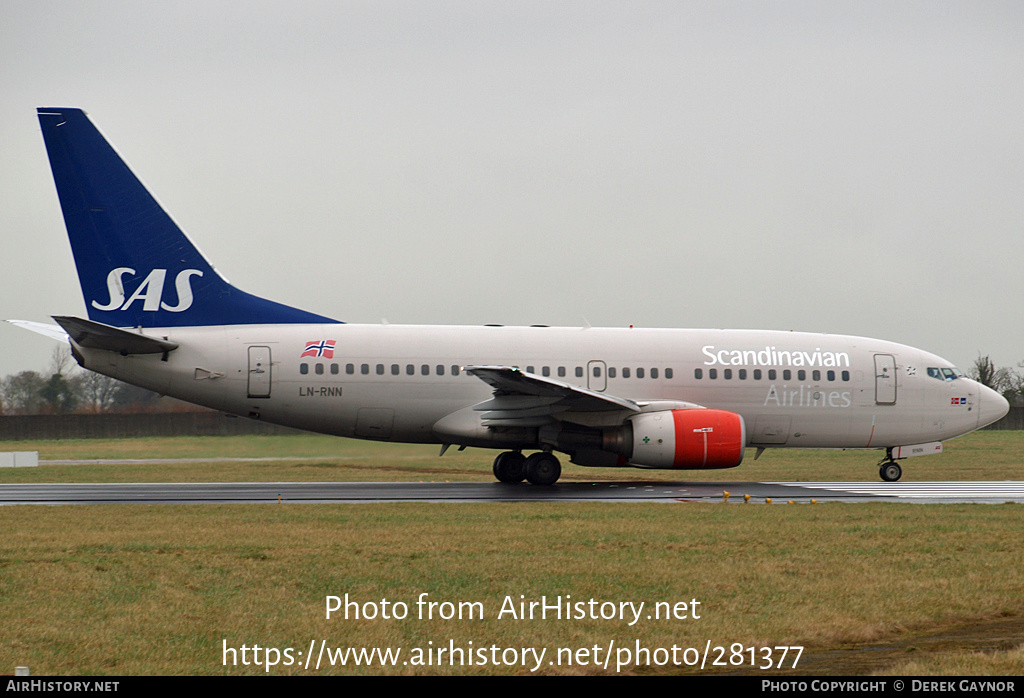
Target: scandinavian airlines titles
{"x":771,"y":356}
{"x":786,"y":396}
{"x":806,"y":396}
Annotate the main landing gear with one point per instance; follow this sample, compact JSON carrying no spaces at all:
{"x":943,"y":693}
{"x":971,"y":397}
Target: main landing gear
{"x":888,"y":469}
{"x":539,"y":468}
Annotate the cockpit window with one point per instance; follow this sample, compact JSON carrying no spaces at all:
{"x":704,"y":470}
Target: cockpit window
{"x":945,"y":374}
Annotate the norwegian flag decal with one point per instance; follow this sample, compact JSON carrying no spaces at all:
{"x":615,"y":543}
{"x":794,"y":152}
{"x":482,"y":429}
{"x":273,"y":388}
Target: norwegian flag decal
{"x":323,"y":349}
{"x":958,"y":401}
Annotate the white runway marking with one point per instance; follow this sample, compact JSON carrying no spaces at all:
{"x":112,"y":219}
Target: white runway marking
{"x":975,"y":490}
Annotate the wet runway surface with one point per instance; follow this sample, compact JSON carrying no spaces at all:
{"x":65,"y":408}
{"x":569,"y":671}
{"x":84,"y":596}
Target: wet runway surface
{"x":354,"y":492}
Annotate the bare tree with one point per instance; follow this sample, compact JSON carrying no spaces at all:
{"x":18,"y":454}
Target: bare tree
{"x":1015,"y":391}
{"x":129,"y":397}
{"x":22,"y":393}
{"x":98,"y":392}
{"x":61,"y":361}
{"x":986,"y":373}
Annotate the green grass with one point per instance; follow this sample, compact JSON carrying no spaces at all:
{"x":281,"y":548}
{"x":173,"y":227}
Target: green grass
{"x":129,"y":589}
{"x":158,"y":589}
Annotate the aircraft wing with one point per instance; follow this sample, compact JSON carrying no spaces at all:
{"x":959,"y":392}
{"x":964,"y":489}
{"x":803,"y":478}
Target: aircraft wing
{"x":51,"y":331}
{"x":526,"y":399}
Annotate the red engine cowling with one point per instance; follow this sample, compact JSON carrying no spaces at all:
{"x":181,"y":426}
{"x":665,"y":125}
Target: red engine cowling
{"x":688,"y":439}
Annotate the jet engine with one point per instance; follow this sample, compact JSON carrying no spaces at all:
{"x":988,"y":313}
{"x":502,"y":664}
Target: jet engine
{"x":685,"y":439}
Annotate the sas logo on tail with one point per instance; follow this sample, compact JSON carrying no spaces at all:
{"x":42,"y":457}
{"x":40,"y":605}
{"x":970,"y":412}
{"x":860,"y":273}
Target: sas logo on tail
{"x":150,"y":291}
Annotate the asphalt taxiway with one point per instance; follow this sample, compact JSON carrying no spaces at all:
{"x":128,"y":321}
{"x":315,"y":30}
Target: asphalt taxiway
{"x":354,"y":492}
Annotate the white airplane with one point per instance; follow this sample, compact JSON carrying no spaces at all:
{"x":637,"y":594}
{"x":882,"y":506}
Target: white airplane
{"x":161,"y":317}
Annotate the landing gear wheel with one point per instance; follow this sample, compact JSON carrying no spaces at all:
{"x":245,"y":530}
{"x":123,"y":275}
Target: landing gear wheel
{"x":543,"y":469}
{"x":510,"y":467}
{"x":890,"y":471}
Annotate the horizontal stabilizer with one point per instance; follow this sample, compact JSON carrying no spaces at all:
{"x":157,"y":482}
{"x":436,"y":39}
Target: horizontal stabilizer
{"x":96,"y":335}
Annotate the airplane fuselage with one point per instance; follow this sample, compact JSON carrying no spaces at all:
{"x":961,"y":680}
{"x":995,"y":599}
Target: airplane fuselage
{"x":398,"y":382}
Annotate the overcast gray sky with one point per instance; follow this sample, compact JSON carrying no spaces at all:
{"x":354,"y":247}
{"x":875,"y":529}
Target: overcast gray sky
{"x":850,"y":167}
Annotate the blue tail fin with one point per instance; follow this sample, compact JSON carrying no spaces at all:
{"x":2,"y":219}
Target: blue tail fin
{"x":136,"y":267}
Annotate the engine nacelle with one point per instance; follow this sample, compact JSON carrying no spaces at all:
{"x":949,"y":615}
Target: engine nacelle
{"x":687,"y":439}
